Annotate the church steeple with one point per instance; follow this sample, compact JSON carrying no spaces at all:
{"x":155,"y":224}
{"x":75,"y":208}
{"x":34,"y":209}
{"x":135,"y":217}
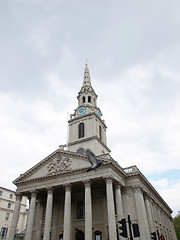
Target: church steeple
{"x":86,"y":128}
{"x":87,"y":93}
{"x":86,"y":79}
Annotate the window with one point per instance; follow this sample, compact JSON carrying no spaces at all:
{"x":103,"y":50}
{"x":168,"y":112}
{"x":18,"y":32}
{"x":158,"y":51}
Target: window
{"x":11,"y":196}
{"x":81,"y":130}
{"x":7,"y":216}
{"x":80,"y":150}
{"x":83,"y":99}
{"x":79,"y":210}
{"x":98,"y":235}
{"x":9,"y":205}
{"x":89,"y":99}
{"x":1,"y":193}
{"x":61,"y":236}
{"x":3,"y":232}
{"x":100,"y":132}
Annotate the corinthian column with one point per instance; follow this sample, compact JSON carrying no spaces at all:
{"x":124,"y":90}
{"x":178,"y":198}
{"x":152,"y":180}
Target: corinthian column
{"x":88,"y":211}
{"x":141,"y":213}
{"x":110,"y":210}
{"x":49,"y":205}
{"x":118,"y":197}
{"x":31,"y":214}
{"x":67,"y":213}
{"x":149,"y":214}
{"x":15,"y":217}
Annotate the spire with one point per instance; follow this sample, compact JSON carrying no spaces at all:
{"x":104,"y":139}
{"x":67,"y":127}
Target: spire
{"x":86,"y":79}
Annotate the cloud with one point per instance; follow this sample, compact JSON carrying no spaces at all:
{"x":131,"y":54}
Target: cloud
{"x":168,"y":190}
{"x":143,"y":127}
{"x":28,"y":133}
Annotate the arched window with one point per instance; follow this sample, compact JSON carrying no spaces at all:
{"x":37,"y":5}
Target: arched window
{"x":89,"y":98}
{"x":83,"y":99}
{"x":98,"y":235}
{"x":81,"y":130}
{"x":80,"y":150}
{"x":79,"y":210}
{"x":79,"y":234}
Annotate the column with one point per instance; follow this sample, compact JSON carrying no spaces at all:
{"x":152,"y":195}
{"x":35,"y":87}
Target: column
{"x":88,"y":211}
{"x":30,"y":220}
{"x":141,"y":213}
{"x":15,"y":217}
{"x":118,"y":197}
{"x":152,"y":212}
{"x":110,"y":210}
{"x":149,"y":214}
{"x":48,"y":217}
{"x":67,"y":213}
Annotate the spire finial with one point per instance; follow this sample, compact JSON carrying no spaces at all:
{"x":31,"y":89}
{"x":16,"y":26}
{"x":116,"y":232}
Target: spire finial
{"x":86,"y":62}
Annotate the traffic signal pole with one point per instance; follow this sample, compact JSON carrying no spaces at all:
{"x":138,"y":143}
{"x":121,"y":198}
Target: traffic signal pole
{"x":130,"y":229}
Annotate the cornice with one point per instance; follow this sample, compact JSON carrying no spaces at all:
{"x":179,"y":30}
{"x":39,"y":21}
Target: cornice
{"x":88,"y":139}
{"x":87,"y":115}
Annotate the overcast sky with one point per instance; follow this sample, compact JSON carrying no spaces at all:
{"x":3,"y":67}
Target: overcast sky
{"x":133,"y":52}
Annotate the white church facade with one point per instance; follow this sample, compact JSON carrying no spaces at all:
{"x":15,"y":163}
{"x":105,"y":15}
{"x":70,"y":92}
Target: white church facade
{"x":69,"y":203}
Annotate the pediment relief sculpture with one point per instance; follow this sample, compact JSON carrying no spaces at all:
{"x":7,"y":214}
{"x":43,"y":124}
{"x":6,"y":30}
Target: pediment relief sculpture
{"x":59,"y":165}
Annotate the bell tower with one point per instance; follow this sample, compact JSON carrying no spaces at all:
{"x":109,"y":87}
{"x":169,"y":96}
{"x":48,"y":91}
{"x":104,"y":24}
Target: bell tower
{"x":86,"y":127}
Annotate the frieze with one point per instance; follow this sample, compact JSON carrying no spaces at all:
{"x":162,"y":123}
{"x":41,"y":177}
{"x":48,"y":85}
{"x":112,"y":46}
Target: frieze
{"x":60,"y":164}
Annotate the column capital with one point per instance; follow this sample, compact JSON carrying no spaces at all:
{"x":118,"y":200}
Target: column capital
{"x":147,"y":197}
{"x":33,"y":193}
{"x":108,"y":179}
{"x":18,"y":196}
{"x":67,"y":187}
{"x":87,"y":183}
{"x":137,"y":189}
{"x":50,"y":190}
{"x":118,"y":185}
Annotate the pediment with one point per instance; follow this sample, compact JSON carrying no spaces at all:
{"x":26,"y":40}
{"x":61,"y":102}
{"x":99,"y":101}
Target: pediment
{"x":59,"y":162}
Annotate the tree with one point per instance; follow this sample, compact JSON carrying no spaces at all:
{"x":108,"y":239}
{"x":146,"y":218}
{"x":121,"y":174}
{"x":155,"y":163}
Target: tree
{"x":176,"y":223}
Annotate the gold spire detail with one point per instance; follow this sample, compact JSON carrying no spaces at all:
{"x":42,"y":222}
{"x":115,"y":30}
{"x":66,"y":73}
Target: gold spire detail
{"x":86,"y":62}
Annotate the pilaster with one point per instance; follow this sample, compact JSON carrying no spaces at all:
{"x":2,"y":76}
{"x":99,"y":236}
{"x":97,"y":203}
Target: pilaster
{"x":141,"y":212}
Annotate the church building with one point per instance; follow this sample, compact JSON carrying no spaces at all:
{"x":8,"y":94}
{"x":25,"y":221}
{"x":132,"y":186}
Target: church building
{"x":67,"y":202}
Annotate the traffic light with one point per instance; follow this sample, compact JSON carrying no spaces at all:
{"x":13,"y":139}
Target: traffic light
{"x":136,"y":230}
{"x":162,"y":237}
{"x":153,"y":236}
{"x":123,"y":227}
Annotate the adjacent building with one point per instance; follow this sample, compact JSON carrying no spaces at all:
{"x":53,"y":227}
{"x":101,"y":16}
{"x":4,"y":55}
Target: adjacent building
{"x":7,"y":205}
{"x":69,"y":203}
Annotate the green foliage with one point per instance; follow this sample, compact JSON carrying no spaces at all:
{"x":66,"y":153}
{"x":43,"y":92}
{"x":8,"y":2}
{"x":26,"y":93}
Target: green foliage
{"x":176,"y":223}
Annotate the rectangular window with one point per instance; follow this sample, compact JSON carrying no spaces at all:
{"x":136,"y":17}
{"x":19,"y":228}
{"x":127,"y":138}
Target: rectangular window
{"x":9,"y":205}
{"x":1,"y":193}
{"x":11,"y":196}
{"x":100,"y":133}
{"x":98,"y":237}
{"x":7,"y":216}
{"x":3,"y":232}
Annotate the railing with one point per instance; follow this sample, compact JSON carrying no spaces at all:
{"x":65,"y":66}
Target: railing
{"x":130,"y":169}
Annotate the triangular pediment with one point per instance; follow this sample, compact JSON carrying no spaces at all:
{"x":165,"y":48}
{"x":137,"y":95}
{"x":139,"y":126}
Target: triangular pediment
{"x":59,"y":162}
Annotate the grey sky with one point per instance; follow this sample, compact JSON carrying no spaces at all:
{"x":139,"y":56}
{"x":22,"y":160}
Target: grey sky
{"x":133,"y":51}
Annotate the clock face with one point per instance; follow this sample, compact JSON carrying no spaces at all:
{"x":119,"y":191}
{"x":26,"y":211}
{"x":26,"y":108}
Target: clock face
{"x":81,"y":110}
{"x":98,"y":113}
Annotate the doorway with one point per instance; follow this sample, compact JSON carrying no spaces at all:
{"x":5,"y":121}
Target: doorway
{"x":79,"y":235}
